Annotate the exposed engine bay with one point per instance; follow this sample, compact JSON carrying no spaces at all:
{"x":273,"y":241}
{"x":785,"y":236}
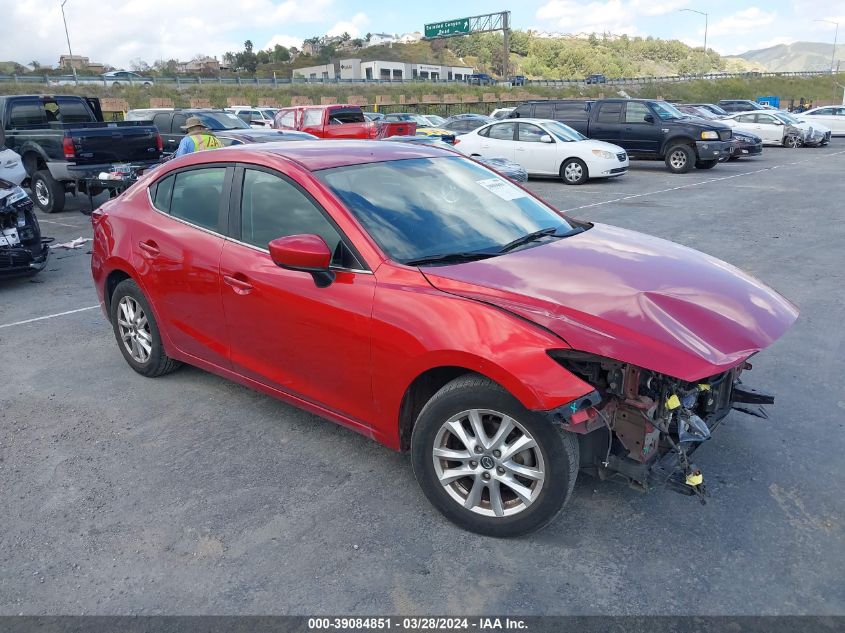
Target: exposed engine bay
{"x":643,"y":427}
{"x":22,"y":249}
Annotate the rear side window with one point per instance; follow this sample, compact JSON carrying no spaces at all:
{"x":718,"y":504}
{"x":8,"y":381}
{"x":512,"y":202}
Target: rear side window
{"x":196,"y":196}
{"x":312,"y":118}
{"x":502,"y":131}
{"x":609,"y":112}
{"x":162,"y":122}
{"x":27,"y":113}
{"x":575,"y":111}
{"x":543,"y":111}
{"x":162,"y":193}
{"x":179,"y":120}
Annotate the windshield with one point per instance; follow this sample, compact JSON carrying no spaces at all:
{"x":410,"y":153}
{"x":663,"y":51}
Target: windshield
{"x":222,"y":121}
{"x":666,"y":111}
{"x":564,"y":132}
{"x":435,"y":120}
{"x":424,"y":207}
{"x":786,"y":118}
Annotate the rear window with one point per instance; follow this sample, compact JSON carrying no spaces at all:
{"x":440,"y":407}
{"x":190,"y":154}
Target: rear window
{"x":73,"y":111}
{"x":340,"y":116}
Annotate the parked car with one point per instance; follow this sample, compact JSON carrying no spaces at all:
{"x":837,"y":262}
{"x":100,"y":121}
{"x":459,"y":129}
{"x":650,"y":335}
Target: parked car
{"x":254,"y":117}
{"x":744,"y":144}
{"x":816,"y":134}
{"x":595,"y":79}
{"x":373,"y":116}
{"x":170,"y":123}
{"x":547,"y":148}
{"x":428,"y":303}
{"x":740,"y":105}
{"x":644,"y":128}
{"x":480,"y":79}
{"x":424,"y":125}
{"x":339,"y":122}
{"x":502,"y":113}
{"x":120,"y":78}
{"x":775,"y":128}
{"x":517,"y":80}
{"x":63,"y":140}
{"x":698,"y":111}
{"x":463,"y":123}
{"x":712,"y":107}
{"x":228,"y":138}
{"x":434,"y":120}
{"x":507,"y":168}
{"x":830,"y":116}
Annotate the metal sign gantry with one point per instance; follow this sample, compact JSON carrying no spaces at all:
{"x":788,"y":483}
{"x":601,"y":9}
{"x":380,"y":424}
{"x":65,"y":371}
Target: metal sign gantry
{"x":487,"y":23}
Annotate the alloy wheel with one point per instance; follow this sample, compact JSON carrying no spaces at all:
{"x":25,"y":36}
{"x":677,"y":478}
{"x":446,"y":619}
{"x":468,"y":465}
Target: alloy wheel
{"x":488,"y":463}
{"x":678,"y":159}
{"x":573,"y":172}
{"x":42,"y":194}
{"x":134,"y":329}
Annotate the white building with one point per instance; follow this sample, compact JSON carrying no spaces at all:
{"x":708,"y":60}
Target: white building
{"x":410,"y":38}
{"x":355,"y":69}
{"x":324,"y":71}
{"x":380,"y":39}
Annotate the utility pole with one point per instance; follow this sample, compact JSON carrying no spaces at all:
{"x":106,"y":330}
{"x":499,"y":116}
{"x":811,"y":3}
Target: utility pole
{"x":706,"y":64}
{"x":506,"y":30}
{"x":70,"y":52}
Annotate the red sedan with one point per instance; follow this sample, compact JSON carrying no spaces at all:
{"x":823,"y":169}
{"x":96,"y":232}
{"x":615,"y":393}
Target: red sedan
{"x":420,"y":299}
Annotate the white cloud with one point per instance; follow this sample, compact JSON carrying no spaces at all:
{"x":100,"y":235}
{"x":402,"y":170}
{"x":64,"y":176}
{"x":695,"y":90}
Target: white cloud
{"x":353,"y":26}
{"x":152,"y":29}
{"x":614,"y":16}
{"x":745,"y":21}
{"x":288,"y":41}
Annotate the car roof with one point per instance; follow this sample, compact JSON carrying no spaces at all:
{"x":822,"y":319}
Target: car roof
{"x":324,"y":154}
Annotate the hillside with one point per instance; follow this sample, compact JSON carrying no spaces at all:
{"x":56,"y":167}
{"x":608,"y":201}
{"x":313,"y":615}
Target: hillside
{"x":793,"y":57}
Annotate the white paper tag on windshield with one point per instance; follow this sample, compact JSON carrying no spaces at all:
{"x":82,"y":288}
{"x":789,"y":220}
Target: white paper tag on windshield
{"x":502,"y":188}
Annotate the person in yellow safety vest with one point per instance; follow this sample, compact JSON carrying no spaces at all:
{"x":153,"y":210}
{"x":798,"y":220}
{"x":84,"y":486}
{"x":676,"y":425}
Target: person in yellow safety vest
{"x":197,"y":138}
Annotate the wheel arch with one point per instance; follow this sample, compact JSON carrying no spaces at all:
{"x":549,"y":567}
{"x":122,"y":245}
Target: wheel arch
{"x":677,"y":140}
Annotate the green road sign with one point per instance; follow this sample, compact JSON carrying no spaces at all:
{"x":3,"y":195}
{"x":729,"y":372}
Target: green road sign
{"x":447,"y":28}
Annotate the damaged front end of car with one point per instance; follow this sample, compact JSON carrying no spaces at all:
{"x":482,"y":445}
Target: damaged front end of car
{"x":643,"y":427}
{"x":23,"y":251}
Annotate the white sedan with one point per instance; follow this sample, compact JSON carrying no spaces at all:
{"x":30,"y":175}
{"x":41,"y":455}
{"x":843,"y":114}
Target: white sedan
{"x":546,"y":148}
{"x":771,"y":126}
{"x":830,"y":116}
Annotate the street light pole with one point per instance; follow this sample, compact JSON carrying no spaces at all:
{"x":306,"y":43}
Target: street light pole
{"x":835,"y":38}
{"x":70,"y":52}
{"x":707,"y":66}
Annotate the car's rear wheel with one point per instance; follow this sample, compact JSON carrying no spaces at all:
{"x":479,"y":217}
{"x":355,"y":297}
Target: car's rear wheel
{"x":706,"y":164}
{"x":573,"y":171}
{"x":137,"y":332}
{"x":489,"y":464}
{"x":679,"y":159}
{"x":48,"y":192}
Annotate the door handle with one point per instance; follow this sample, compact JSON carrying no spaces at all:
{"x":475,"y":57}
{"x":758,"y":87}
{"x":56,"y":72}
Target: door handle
{"x":240,"y":286}
{"x":150,"y":248}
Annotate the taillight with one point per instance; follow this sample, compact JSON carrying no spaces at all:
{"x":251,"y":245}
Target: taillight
{"x":67,"y":147}
{"x":159,"y":143}
{"x":456,"y":141}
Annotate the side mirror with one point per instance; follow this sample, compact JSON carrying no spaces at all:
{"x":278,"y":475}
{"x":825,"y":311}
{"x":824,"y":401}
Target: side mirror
{"x":546,"y":139}
{"x":305,"y":253}
{"x":648,"y":118}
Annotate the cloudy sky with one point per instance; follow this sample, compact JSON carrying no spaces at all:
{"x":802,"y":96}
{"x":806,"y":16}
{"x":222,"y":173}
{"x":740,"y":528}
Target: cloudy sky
{"x":116,"y":32}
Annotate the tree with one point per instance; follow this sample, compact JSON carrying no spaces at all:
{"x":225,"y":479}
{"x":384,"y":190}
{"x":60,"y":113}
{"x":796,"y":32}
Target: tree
{"x":280,"y":54}
{"x":36,"y":66}
{"x":345,"y":37}
{"x":139,"y":65}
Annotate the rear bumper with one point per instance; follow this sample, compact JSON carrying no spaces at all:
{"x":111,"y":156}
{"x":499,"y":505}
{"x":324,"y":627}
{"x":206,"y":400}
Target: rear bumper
{"x":68,"y":171}
{"x":712,"y":150}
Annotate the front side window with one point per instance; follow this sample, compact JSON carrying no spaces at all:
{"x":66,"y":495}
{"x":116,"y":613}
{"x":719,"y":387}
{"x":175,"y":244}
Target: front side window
{"x":529,"y":133}
{"x":288,"y":119}
{"x":636,"y":112}
{"x":502,"y":131}
{"x":823,"y":111}
{"x":273,"y":207}
{"x":196,"y":196}
{"x":425,"y":207}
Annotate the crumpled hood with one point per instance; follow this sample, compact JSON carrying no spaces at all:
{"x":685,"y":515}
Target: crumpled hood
{"x":631,"y":297}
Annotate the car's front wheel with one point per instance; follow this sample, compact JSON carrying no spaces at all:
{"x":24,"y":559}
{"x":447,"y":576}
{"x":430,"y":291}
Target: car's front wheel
{"x":793,"y":141}
{"x":573,"y":171}
{"x":679,"y":159}
{"x":489,"y":464}
{"x":137,"y":332}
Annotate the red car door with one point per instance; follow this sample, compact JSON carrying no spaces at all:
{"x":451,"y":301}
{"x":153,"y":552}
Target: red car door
{"x":284,"y":331}
{"x":177,"y":253}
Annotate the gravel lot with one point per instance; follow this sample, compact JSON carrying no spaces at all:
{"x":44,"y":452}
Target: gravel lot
{"x":188,"y":494}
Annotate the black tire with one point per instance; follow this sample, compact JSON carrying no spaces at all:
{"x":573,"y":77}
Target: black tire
{"x":680,"y":159}
{"x":158,"y":363}
{"x":47,"y":192}
{"x":574,"y":171}
{"x":706,"y":164}
{"x":558,"y":450}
